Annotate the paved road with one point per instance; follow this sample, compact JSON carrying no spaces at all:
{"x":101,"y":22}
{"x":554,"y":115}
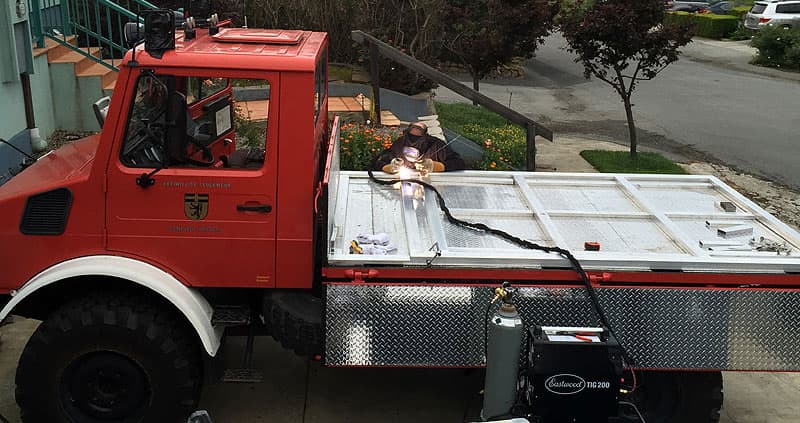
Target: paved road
{"x":743,"y":119}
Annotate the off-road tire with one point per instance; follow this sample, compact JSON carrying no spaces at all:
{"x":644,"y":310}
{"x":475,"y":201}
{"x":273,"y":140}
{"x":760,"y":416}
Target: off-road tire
{"x":294,"y":318}
{"x":80,"y":365}
{"x":686,"y":397}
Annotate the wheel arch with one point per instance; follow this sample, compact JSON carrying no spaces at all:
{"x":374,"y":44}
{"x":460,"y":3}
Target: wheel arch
{"x":70,"y":278}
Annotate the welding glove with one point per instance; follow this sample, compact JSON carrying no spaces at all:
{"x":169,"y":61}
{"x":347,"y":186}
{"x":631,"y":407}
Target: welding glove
{"x":394,"y":166}
{"x":377,"y":250}
{"x":379,"y":238}
{"x":426,"y":166}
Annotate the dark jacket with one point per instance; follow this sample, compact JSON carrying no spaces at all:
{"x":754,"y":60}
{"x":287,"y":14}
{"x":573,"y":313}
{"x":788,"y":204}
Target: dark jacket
{"x":429,"y":147}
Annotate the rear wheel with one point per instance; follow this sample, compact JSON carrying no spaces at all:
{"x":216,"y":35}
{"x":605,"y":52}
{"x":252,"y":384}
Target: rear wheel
{"x":109,"y":358}
{"x":686,"y":397}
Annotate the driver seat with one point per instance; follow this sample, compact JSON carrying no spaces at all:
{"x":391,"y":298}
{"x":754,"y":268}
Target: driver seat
{"x":180,"y":133}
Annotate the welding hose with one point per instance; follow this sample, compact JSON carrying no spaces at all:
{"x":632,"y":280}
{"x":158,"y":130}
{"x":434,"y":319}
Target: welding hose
{"x":480,"y":227}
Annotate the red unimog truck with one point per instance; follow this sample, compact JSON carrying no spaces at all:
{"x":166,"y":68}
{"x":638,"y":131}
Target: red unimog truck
{"x":213,"y":195}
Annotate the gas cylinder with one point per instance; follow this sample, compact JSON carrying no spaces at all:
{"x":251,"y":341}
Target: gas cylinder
{"x":504,"y":342}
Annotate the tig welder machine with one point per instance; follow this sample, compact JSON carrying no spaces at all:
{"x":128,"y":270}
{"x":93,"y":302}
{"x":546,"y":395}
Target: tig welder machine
{"x":570,"y":374}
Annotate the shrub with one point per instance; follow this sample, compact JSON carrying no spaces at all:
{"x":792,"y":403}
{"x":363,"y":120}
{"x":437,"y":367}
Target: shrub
{"x":504,"y":144}
{"x":359,"y":144}
{"x":778,"y":47}
{"x":706,"y":25}
{"x":504,"y":147}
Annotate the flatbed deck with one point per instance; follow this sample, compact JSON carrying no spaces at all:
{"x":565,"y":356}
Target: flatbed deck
{"x":642,"y":222}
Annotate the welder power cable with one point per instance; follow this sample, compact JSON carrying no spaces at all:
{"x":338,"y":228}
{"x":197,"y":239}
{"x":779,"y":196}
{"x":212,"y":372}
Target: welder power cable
{"x":480,"y":227}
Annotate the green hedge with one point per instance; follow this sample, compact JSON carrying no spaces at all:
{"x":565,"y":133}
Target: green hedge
{"x":739,"y":11}
{"x":706,"y":24}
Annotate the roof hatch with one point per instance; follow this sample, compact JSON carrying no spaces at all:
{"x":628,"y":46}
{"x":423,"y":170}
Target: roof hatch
{"x":259,"y":36}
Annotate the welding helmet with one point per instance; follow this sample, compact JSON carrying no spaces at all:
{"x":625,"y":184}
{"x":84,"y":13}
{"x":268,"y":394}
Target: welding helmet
{"x":420,"y":127}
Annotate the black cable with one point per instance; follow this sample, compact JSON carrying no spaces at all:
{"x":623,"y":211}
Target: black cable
{"x":480,"y":227}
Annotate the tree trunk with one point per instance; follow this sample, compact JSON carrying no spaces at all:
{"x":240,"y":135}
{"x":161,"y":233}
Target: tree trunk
{"x":631,"y":127}
{"x":476,"y":81}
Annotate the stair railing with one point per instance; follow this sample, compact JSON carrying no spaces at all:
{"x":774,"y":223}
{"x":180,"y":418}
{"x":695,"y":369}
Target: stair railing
{"x":93,"y":28}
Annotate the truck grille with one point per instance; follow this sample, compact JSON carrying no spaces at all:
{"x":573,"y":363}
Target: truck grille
{"x":46,"y":213}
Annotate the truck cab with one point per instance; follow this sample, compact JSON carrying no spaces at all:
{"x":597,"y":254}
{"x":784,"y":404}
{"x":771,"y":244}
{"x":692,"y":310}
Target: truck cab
{"x":204,"y":177}
{"x":191,"y":150}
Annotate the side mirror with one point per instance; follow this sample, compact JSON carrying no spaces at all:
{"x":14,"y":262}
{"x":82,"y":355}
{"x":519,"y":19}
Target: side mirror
{"x":100,"y":108}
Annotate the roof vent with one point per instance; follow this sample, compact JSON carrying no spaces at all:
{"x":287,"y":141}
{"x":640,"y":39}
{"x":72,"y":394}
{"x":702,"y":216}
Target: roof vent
{"x":259,"y":36}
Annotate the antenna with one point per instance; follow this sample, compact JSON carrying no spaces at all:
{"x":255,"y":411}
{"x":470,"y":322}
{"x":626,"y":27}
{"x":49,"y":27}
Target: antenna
{"x":133,"y":63}
{"x":2,"y":141}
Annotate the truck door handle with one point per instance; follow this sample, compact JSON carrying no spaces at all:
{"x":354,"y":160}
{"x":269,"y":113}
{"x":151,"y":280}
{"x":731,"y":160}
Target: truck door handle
{"x":263,"y":208}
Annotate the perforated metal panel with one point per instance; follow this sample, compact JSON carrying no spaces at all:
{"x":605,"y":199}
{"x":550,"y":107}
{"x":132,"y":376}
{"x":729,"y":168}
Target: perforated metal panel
{"x":736,"y":329}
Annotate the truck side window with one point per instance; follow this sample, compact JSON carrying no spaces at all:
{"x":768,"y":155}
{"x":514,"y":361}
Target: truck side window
{"x":205,"y":122}
{"x":320,"y":85}
{"x":251,"y":99}
{"x":201,"y":88}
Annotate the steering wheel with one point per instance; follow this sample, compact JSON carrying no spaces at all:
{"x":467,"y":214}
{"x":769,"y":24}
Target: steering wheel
{"x":152,"y":132}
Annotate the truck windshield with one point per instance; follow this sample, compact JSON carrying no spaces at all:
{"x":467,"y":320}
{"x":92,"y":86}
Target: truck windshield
{"x":144,"y":138}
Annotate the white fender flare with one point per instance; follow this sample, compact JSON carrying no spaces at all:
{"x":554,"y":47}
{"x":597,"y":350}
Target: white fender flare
{"x":188,"y":301}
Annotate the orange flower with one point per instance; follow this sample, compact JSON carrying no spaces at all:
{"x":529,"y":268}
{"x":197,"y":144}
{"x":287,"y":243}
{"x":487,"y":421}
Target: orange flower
{"x":488,"y":142}
{"x":493,"y":165}
{"x":347,"y":141}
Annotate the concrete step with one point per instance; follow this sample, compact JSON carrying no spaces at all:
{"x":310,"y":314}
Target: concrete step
{"x":81,"y":61}
{"x":59,"y":49}
{"x":92,"y":68}
{"x":49,"y":44}
{"x":109,"y":81}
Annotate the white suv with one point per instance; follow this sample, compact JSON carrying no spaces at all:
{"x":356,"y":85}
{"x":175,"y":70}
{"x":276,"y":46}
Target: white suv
{"x":773,"y":13}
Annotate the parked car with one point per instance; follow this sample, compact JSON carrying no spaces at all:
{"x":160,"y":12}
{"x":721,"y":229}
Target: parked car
{"x":773,"y":13}
{"x":719,"y":7}
{"x":687,"y":5}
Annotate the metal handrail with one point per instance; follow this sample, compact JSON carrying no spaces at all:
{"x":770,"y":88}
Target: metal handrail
{"x":93,"y":28}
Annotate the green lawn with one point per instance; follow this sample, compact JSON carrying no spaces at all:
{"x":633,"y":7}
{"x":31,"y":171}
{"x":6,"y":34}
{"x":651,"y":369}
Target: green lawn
{"x":340,"y":73}
{"x":455,"y":116}
{"x":620,"y":162}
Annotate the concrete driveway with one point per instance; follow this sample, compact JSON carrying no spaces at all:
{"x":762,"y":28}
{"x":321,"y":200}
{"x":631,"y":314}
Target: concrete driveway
{"x":298,"y":390}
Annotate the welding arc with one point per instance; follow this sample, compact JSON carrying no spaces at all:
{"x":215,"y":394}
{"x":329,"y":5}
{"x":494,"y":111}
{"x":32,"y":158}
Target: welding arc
{"x":480,"y":227}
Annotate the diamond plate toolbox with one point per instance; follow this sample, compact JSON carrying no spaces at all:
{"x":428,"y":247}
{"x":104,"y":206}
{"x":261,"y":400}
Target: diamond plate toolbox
{"x":442,"y":326}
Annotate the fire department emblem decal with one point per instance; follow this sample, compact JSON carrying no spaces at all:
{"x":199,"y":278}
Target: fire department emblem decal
{"x":195,"y":206}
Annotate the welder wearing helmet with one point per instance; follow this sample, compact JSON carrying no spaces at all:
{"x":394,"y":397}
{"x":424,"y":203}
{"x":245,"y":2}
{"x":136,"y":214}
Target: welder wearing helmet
{"x":418,"y":150}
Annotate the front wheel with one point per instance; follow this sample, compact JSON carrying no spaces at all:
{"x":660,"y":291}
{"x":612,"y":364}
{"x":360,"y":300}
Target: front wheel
{"x":665,"y":397}
{"x":109,"y":358}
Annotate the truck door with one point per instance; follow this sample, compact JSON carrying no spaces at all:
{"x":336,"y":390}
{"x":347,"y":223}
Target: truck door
{"x":191,"y":180}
